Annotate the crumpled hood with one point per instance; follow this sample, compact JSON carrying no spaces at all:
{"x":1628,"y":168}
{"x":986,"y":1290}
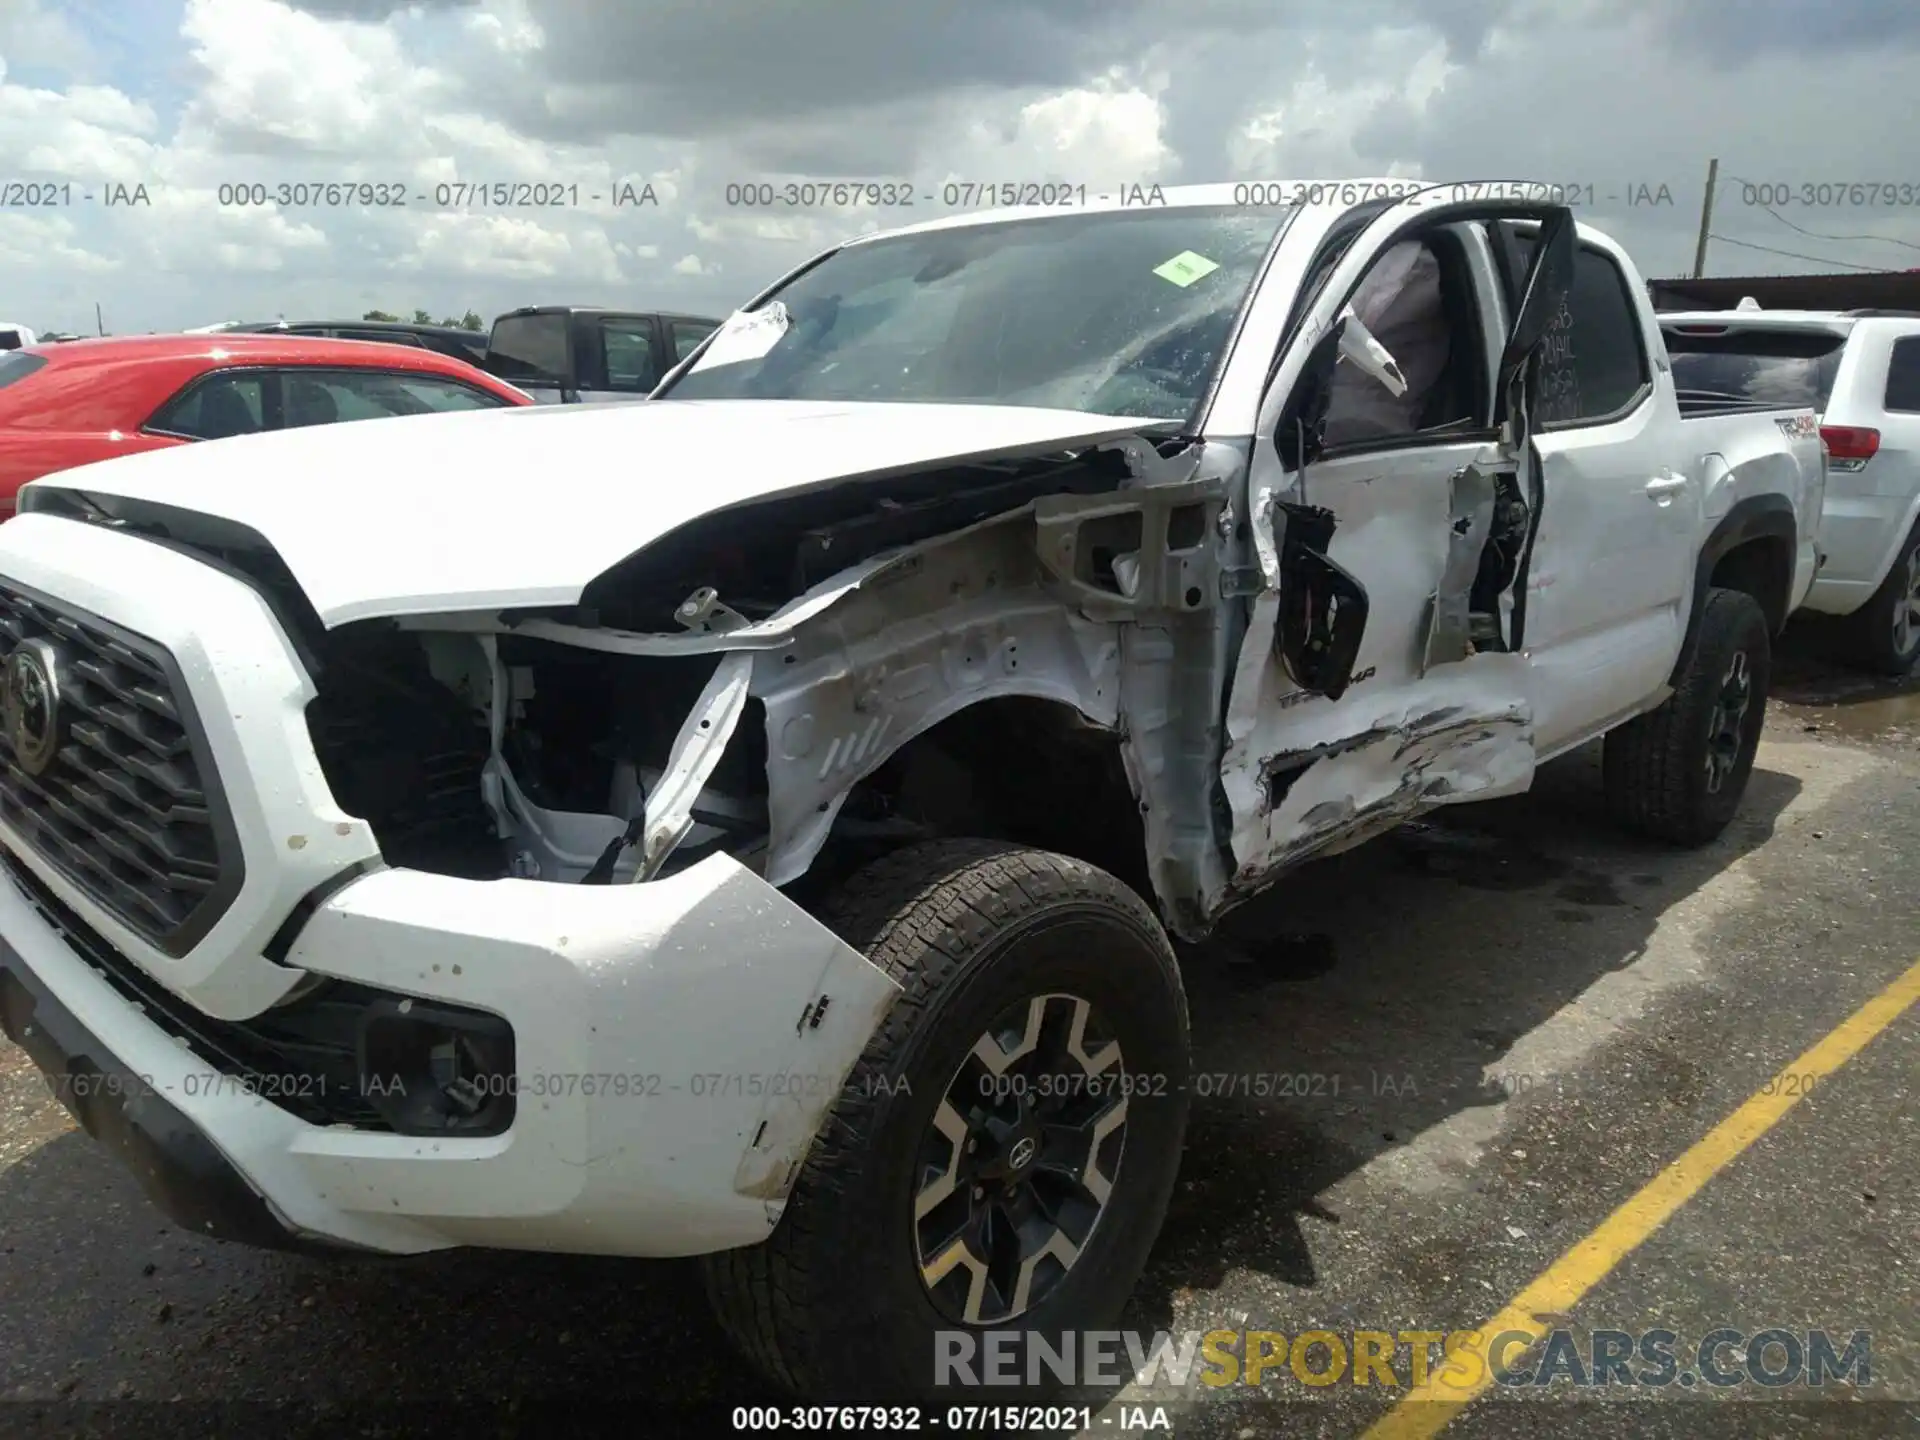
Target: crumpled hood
{"x":503,"y":508}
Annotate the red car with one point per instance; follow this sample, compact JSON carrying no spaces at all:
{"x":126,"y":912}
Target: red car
{"x":87,"y":400}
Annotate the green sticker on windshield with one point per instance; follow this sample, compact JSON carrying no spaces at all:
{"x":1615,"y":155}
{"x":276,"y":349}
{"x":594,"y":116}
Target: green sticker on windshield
{"x":1185,"y":268}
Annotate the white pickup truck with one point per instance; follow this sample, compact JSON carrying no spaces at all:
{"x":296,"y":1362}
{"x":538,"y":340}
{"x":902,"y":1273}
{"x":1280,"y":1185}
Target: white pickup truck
{"x":751,"y":824}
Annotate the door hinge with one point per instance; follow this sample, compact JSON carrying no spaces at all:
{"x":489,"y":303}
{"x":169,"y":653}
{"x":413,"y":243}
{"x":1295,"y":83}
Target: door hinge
{"x":1239,"y":581}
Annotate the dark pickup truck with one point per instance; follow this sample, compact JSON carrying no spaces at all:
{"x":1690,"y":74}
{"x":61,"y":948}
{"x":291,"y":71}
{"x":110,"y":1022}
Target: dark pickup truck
{"x":467,"y":345}
{"x":570,"y":354}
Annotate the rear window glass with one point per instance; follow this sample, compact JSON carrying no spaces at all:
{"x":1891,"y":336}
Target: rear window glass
{"x":223,"y":404}
{"x":1771,"y":367}
{"x":1903,"y":376}
{"x":17,"y":365}
{"x":326,"y":398}
{"x":529,"y":347}
{"x":629,"y":345}
{"x":687,"y":335}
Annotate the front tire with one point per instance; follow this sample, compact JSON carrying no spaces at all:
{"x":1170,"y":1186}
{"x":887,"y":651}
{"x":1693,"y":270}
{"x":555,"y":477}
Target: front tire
{"x":1678,"y":773}
{"x":1885,"y":632}
{"x":1002,"y":1156}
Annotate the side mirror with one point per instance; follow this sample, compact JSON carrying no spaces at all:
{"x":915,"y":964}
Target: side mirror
{"x":1323,"y":609}
{"x":1549,"y":281}
{"x":1303,"y":421}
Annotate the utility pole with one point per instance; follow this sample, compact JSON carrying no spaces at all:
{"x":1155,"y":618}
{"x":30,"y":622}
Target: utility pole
{"x":1706,"y":219}
{"x":99,"y":323}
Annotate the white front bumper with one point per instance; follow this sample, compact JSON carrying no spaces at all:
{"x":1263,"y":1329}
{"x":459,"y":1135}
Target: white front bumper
{"x":677,"y":1043}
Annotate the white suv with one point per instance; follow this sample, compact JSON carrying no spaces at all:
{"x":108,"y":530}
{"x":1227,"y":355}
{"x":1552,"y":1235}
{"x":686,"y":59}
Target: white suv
{"x":1861,"y":370}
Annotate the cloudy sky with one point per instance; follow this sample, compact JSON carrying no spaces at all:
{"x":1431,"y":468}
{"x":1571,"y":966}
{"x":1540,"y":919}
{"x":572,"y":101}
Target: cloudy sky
{"x":1617,"y":98}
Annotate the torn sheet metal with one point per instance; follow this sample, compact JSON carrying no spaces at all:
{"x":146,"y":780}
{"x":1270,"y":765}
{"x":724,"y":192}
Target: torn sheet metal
{"x":1255,"y":661}
{"x":1170,"y":676}
{"x":773,"y":633}
{"x":1377,"y":754}
{"x":493,"y":788}
{"x":862,"y":663}
{"x":696,"y":751}
{"x":834,"y":717}
{"x":1470,"y":502}
{"x":1394,"y":536}
{"x":777,"y":630}
{"x":1460,"y":743}
{"x":1383,"y":777}
{"x":829,"y":1031}
{"x":1171,"y":560}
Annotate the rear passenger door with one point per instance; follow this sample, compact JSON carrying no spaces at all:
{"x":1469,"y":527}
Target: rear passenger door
{"x":1611,"y":573}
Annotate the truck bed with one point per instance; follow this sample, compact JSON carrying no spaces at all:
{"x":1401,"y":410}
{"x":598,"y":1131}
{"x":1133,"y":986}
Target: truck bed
{"x":1747,"y":447}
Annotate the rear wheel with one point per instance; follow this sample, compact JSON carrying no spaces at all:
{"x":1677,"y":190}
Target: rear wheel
{"x":1885,"y":632}
{"x":1002,"y":1156}
{"x":1678,"y":773}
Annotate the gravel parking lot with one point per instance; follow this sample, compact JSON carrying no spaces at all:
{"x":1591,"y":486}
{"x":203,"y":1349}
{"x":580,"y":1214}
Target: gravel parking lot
{"x":1520,"y":1018}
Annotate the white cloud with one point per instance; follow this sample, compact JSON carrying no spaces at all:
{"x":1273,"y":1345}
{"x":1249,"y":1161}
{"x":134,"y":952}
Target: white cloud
{"x":528,"y":96}
{"x":1313,"y":130}
{"x":278,"y":75}
{"x":33,"y":241}
{"x":1110,"y":129}
{"x":510,"y":246}
{"x":83,"y":134}
{"x":507,"y":26}
{"x":32,"y":34}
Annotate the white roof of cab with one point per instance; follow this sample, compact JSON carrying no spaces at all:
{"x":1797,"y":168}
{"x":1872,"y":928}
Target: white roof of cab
{"x":1170,"y":197}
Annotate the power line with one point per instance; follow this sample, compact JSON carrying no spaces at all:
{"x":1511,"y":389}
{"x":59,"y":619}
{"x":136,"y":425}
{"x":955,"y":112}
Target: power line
{"x":1821,"y":235}
{"x":1796,"y":255}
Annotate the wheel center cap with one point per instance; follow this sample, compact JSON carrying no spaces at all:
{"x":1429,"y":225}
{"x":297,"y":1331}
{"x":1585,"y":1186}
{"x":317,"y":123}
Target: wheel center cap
{"x":1021,"y":1154}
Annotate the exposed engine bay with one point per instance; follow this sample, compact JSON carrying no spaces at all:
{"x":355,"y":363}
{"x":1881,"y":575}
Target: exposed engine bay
{"x":752,"y":684}
{"x":1035,"y":648}
{"x":406,"y":734}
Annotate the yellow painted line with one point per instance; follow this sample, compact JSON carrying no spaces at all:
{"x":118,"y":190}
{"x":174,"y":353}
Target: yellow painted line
{"x":1464,"y":1375}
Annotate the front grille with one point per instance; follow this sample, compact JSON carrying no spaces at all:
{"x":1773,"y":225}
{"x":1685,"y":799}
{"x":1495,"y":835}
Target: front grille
{"x":130,"y":809}
{"x":303,"y":1056}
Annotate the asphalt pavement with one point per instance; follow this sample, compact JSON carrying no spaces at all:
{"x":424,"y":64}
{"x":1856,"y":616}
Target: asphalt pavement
{"x":1494,"y":1031}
